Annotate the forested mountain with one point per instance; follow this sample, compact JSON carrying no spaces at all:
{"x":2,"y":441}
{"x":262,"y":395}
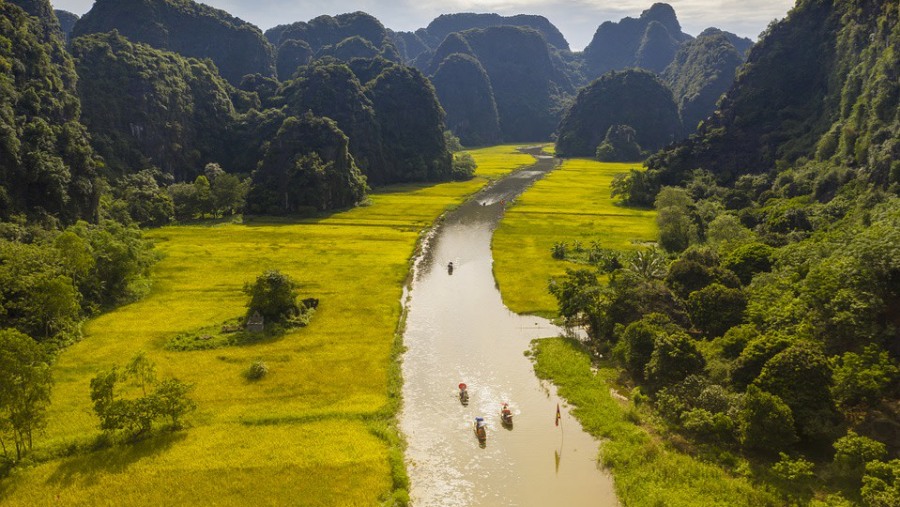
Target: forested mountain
{"x":445,"y":24}
{"x":465,"y":92}
{"x":649,"y":42}
{"x":346,"y":36}
{"x":633,"y":98}
{"x":47,"y":167}
{"x":821,"y":85}
{"x":138,"y":119}
{"x":67,"y":22}
{"x":527,"y":87}
{"x":188,"y":28}
{"x":393,"y":119}
{"x":703,"y":69}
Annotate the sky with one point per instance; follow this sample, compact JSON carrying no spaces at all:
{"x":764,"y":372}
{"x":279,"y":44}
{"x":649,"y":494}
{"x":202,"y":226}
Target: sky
{"x":576,"y":19}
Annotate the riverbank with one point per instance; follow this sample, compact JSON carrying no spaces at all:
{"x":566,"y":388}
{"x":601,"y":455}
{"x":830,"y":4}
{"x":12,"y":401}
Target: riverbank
{"x":571,"y":205}
{"x":319,"y":428}
{"x":647,"y":471}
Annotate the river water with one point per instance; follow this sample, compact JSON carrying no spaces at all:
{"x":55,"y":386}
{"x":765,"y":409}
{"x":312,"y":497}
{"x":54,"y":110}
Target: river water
{"x":458,"y":330}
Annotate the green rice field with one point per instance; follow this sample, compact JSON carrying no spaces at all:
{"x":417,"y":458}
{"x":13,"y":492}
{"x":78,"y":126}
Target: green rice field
{"x":318,"y":429}
{"x":571,"y":204}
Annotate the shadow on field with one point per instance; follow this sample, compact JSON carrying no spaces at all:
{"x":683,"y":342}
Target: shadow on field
{"x":86,"y":469}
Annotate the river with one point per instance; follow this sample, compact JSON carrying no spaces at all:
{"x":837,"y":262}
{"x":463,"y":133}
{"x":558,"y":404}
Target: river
{"x":458,"y":330}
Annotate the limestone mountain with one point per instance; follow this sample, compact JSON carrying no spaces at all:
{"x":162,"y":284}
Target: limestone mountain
{"x":445,"y":24}
{"x":527,"y":87}
{"x":188,"y":28}
{"x":633,"y":98}
{"x":346,"y":36}
{"x":465,"y":92}
{"x":151,"y":108}
{"x":821,"y":84}
{"x":648,"y":42}
{"x":67,"y":22}
{"x":703,"y":70}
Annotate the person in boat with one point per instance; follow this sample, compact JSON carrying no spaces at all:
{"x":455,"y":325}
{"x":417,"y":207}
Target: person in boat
{"x":506,"y":413}
{"x":480,"y":427}
{"x":450,"y":267}
{"x":463,"y":393}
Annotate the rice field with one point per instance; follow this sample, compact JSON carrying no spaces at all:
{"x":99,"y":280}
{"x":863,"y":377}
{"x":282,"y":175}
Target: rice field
{"x":319,"y":428}
{"x":572,"y":203}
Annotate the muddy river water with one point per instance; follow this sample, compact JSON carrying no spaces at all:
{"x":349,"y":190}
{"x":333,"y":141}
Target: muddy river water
{"x":458,"y":330}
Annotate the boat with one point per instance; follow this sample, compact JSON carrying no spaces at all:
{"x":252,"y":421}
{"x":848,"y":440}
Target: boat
{"x":463,"y":394}
{"x":480,"y":430}
{"x":506,"y":416}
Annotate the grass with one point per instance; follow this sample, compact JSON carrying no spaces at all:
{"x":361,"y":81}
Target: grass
{"x":646,"y":470}
{"x":571,"y":204}
{"x":319,"y":428}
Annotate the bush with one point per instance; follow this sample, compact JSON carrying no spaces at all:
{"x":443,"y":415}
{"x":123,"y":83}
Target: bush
{"x":257,"y":370}
{"x":463,"y":167}
{"x":559,"y":250}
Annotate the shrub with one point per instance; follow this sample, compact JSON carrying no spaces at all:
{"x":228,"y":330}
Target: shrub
{"x":559,"y":250}
{"x":257,"y":370}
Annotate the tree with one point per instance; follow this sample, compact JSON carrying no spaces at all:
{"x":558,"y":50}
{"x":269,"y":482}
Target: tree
{"x":142,"y":370}
{"x":674,"y":357}
{"x":863,"y":379}
{"x":715,"y":309}
{"x":137,"y":414}
{"x":171,"y":400}
{"x":578,"y":295}
{"x":765,"y":423}
{"x":637,"y":342}
{"x":748,"y":260}
{"x":852,"y":452}
{"x":228,"y":194}
{"x":754,"y":356}
{"x":801,"y":376}
{"x":881,"y":484}
{"x":273,"y":295}
{"x":677,"y":230}
{"x":25,"y":384}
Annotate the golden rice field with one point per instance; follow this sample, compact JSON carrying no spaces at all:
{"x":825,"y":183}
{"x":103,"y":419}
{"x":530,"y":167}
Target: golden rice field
{"x":319,"y":428}
{"x":572,"y":203}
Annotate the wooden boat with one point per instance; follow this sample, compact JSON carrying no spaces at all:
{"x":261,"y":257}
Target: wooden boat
{"x":506,"y":416}
{"x":480,"y":430}
{"x":463,"y":395}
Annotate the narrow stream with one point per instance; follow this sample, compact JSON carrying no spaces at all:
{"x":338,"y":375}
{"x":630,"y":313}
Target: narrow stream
{"x":458,"y":330}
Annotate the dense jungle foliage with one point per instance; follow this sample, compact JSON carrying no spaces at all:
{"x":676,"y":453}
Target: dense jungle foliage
{"x":766,"y":323}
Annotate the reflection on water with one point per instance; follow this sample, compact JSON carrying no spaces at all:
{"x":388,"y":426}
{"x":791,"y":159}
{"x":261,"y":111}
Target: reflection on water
{"x":458,"y":330}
